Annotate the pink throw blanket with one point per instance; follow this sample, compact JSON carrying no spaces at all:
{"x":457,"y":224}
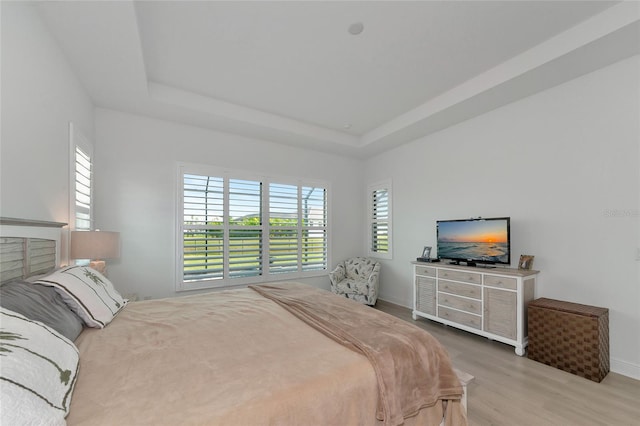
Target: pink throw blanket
{"x":413,"y":370}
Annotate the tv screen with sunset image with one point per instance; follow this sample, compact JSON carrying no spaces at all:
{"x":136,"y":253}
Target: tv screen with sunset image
{"x":475,"y":240}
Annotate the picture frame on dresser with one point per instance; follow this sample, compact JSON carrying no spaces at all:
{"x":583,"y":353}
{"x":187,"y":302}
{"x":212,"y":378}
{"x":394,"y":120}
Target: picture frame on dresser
{"x":526,"y":261}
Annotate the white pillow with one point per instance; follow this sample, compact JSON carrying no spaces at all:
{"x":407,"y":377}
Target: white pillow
{"x":39,"y":371}
{"x":88,"y":293}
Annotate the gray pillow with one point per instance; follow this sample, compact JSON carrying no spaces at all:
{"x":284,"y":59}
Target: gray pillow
{"x":40,"y":303}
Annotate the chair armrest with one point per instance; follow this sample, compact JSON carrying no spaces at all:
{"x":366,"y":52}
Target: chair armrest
{"x":375,"y":274}
{"x":338,"y":274}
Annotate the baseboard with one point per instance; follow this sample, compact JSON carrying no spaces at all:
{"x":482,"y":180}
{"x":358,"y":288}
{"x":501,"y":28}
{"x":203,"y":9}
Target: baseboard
{"x":391,"y":302}
{"x":625,"y":368}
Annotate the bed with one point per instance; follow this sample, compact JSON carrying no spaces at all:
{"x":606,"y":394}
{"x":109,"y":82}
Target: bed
{"x":279,"y":353}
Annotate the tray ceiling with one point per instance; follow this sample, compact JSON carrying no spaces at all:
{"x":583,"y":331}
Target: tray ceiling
{"x":291,"y":72}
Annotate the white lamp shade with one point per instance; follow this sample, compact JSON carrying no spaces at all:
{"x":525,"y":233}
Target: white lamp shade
{"x":95,"y":245}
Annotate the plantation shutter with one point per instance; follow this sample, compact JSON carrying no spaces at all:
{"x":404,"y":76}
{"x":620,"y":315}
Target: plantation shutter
{"x":83,"y":175}
{"x":314,"y":228}
{"x":380,"y":221}
{"x":283,"y":228}
{"x":240,"y":230}
{"x":203,"y":227}
{"x":245,"y":228}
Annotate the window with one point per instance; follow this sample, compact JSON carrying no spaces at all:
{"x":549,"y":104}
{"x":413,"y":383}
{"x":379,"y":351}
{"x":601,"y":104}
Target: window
{"x":235,"y":228}
{"x":379,"y":220}
{"x":81,"y":181}
{"x":82,"y":190}
{"x":297,"y":228}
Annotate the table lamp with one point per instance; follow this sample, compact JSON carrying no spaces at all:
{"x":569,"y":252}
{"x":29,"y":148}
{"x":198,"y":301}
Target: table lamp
{"x":96,"y":246}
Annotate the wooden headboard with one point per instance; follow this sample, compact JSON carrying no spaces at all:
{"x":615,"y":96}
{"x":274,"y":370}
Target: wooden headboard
{"x":28,"y":247}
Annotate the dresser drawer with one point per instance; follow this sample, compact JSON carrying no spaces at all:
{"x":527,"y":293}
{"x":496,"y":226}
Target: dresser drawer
{"x":460,"y":289}
{"x":470,"y":320}
{"x":467,"y":277}
{"x":426,"y":271}
{"x":469,"y":305}
{"x":500,"y":282}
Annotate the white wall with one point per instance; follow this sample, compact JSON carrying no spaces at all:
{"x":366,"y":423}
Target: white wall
{"x":136,"y":165}
{"x":564,"y":165}
{"x":40,"y":96}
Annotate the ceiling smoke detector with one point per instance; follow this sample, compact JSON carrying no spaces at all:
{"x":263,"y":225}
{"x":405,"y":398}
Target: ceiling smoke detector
{"x":356,"y":28}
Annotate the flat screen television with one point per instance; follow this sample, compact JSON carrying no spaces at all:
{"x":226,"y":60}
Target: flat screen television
{"x":475,"y":241}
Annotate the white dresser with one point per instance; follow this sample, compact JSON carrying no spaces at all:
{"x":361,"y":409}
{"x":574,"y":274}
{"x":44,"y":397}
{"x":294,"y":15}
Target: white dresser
{"x":491,"y":302}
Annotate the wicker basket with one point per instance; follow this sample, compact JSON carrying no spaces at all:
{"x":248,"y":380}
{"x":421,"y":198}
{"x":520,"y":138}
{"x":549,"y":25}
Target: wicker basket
{"x":570,"y":337}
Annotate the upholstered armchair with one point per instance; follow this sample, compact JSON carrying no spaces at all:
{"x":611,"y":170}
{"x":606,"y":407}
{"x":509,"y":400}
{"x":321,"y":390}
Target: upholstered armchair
{"x":357,"y":279}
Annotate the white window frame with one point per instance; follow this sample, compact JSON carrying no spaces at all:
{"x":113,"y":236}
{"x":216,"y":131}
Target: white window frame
{"x":79,"y":141}
{"x":372,"y":219}
{"x":265,"y":276}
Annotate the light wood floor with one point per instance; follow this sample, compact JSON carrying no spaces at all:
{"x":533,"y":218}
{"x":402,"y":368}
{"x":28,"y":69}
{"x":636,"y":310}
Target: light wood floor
{"x":512,"y":390}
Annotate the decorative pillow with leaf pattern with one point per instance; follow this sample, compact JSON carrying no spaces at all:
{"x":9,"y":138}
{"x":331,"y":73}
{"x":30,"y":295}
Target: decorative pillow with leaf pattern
{"x":38,"y":374}
{"x":88,"y":293}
